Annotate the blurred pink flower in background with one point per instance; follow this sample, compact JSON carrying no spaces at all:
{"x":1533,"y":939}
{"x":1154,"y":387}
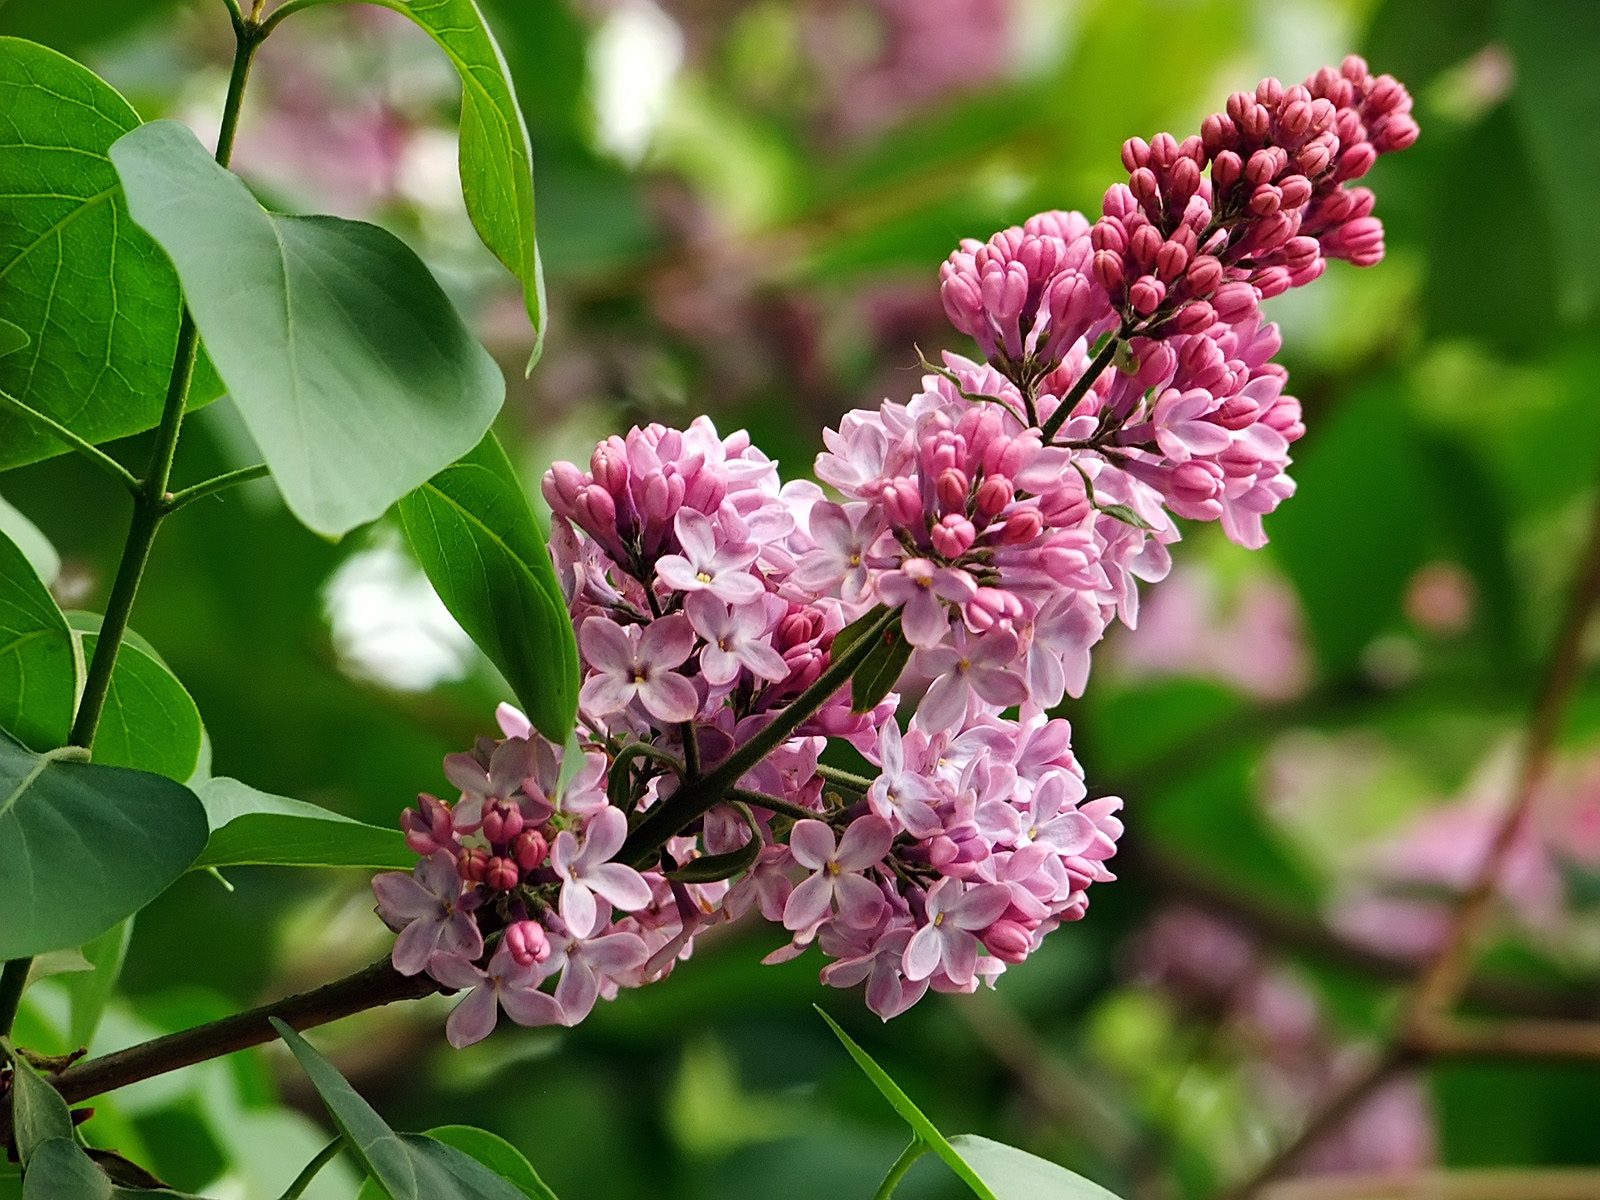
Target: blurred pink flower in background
{"x":1253,"y":640}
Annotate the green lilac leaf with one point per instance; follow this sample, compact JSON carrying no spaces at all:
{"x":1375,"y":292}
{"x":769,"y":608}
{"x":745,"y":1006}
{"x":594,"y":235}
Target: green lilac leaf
{"x":350,"y":366}
{"x":476,"y":537}
{"x":12,"y":338}
{"x":63,"y":1170}
{"x":1013,"y":1174}
{"x":84,"y":846}
{"x":875,"y":678}
{"x":38,"y":1112}
{"x":88,"y":992}
{"x":149,"y":721}
{"x":499,"y":1155}
{"x":254,"y":828}
{"x":913,"y":1116}
{"x":496,"y":161}
{"x":96,"y":298}
{"x":35,"y":547}
{"x":38,"y":669}
{"x":407,"y":1166}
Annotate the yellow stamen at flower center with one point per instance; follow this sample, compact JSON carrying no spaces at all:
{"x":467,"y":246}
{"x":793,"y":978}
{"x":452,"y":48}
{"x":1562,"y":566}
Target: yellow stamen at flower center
{"x":702,"y":577}
{"x":832,"y":868}
{"x":640,"y":675}
{"x":938,"y":920}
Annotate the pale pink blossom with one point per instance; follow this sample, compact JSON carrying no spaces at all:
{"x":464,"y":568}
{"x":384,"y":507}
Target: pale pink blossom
{"x":630,"y":663}
{"x":835,"y":882}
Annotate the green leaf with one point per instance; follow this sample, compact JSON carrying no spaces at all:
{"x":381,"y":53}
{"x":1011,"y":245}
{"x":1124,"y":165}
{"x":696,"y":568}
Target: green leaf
{"x":920,"y":1125}
{"x":409,"y":1166}
{"x":59,"y":1169}
{"x":473,"y":532}
{"x":89,"y":991}
{"x":83,"y":846}
{"x":149,"y":721}
{"x":350,"y":366}
{"x":496,"y":163}
{"x":38,"y":1112}
{"x":38,"y":671}
{"x":1014,"y":1174}
{"x":499,"y":1155}
{"x":35,"y":547}
{"x":252,"y":828}
{"x":1557,"y":48}
{"x":94,"y":295}
{"x":13,"y":338}
{"x":875,"y":678}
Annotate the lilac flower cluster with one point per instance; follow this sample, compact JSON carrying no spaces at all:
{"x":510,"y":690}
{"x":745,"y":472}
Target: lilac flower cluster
{"x":990,"y":528}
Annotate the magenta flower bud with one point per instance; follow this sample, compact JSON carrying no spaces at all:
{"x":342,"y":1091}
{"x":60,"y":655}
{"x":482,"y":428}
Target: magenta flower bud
{"x":1255,"y":122}
{"x":951,"y":486}
{"x":1163,"y":151}
{"x":1203,"y":276}
{"x":1269,"y":92}
{"x":1294,"y":190}
{"x":1398,"y":133}
{"x":596,"y":511}
{"x":1294,"y":119}
{"x":1195,"y":482}
{"x":1356,"y":161}
{"x":1145,"y":244}
{"x":1238,"y":103}
{"x":501,"y":874}
{"x":1196,"y":317}
{"x":1273,"y":281}
{"x":1007,"y":941}
{"x":1236,"y":412}
{"x":799,"y":627}
{"x":1313,"y":158}
{"x":953,"y":536}
{"x":530,"y":849}
{"x":528,"y":943}
{"x":1300,"y":252}
{"x":1119,"y":202}
{"x":1183,"y":181}
{"x":1265,"y":200}
{"x":472,"y":864}
{"x":1146,"y":294}
{"x":562,"y":483}
{"x":1193,"y":148}
{"x":704,"y":491}
{"x":1226,"y":169}
{"x":1234,"y":302}
{"x":1261,"y":166}
{"x":994,"y":493}
{"x":1144,"y":186}
{"x":657,"y":504}
{"x":1021,"y":526}
{"x":609,"y":466}
{"x":1108,"y":270}
{"x":501,"y":822}
{"x":1135,"y":154}
{"x":1171,"y":259}
{"x":1109,"y":233}
{"x":1217,"y":131}
{"x":992,"y":606}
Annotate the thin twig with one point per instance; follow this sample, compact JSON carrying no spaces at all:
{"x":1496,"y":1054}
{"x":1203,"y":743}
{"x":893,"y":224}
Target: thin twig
{"x":61,"y":433}
{"x":176,"y":500}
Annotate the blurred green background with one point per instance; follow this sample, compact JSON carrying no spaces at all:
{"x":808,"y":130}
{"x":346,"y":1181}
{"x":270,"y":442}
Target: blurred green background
{"x":742,"y":208}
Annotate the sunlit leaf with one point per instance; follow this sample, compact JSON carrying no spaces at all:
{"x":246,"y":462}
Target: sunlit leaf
{"x":348,"y":362}
{"x":250,"y":827}
{"x":96,"y":297}
{"x":37,"y":666}
{"x":149,"y":720}
{"x":409,"y":1166}
{"x":475,"y":535}
{"x":1014,"y":1174}
{"x":83,"y":846}
{"x":35,"y":547}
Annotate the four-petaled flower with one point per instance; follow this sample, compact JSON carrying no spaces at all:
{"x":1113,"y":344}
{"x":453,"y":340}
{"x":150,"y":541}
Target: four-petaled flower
{"x":587,"y":871}
{"x":987,"y":666}
{"x":638,"y":664}
{"x":946,"y":941}
{"x":736,"y":637}
{"x":704,"y":566}
{"x":505,"y":983}
{"x":836,"y":879}
{"x":430,"y":913}
{"x":923,"y":587}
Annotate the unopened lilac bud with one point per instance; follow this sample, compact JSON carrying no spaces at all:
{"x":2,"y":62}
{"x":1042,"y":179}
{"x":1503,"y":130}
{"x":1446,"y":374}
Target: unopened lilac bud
{"x":1265,"y":200}
{"x":1355,"y":161}
{"x":951,"y":487}
{"x":1236,"y":412}
{"x":1294,"y":119}
{"x":799,"y":627}
{"x":1163,"y":151}
{"x":1294,"y":190}
{"x":1109,"y":233}
{"x":501,"y":874}
{"x":1145,"y":244}
{"x":1262,"y":166}
{"x":994,"y":493}
{"x":1217,"y":131}
{"x":501,"y":822}
{"x":1273,"y":281}
{"x":902,"y":501}
{"x":530,"y":849}
{"x":1007,"y":941}
{"x":1234,"y":302}
{"x":1135,"y":154}
{"x":562,"y":483}
{"x":1119,"y":202}
{"x":1183,"y":181}
{"x":1021,"y":526}
{"x":953,"y":536}
{"x":1269,"y":92}
{"x":1195,"y":481}
{"x":609,"y":466}
{"x":1108,"y":270}
{"x":1142,"y":183}
{"x":528,"y":943}
{"x":595,"y":511}
{"x":1171,"y":260}
{"x":1146,"y":294}
{"x":1300,"y":252}
{"x":1196,"y":316}
{"x":472,"y":864}
{"x":1204,"y":275}
{"x":1226,"y":169}
{"x":1313,"y":158}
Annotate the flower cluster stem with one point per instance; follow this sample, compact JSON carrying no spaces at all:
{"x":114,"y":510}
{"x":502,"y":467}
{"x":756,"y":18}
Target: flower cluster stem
{"x":1080,"y":389}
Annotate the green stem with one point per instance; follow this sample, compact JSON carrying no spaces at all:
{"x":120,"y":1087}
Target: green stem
{"x":848,"y":780}
{"x":302,"y":1181}
{"x":287,"y":10}
{"x":61,"y":433}
{"x":1080,"y":389}
{"x":901,"y":1165}
{"x":695,"y":797}
{"x":12,"y":979}
{"x":218,"y":483}
{"x":776,"y":804}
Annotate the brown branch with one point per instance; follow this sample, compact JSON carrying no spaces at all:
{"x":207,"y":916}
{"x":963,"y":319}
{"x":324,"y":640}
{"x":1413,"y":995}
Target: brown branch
{"x":1422,"y":1030}
{"x":1448,"y":1037}
{"x":370,"y":987}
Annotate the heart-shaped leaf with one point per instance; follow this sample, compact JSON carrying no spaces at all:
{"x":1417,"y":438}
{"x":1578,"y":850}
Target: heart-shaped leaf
{"x":96,"y":298}
{"x":83,"y":846}
{"x":496,"y":163}
{"x":349,"y":364}
{"x":38,"y":670}
{"x":408,"y":1166}
{"x":149,"y":720}
{"x":253,"y":828}
{"x":477,"y":539}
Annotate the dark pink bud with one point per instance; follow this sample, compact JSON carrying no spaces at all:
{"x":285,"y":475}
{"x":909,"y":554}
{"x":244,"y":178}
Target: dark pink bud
{"x":1145,"y":245}
{"x":1183,"y":181}
{"x":1021,"y":526}
{"x":1204,"y":275}
{"x":1265,"y":200}
{"x":1356,"y":161}
{"x":530,"y":849}
{"x":1119,"y":202}
{"x":994,"y":493}
{"x":1255,"y":122}
{"x":1193,"y":148}
{"x":1269,"y":92}
{"x":1398,"y":133}
{"x":1142,"y":183}
{"x":1263,"y":165}
{"x":1171,"y":259}
{"x":1300,"y":252}
{"x":1294,"y":119}
{"x":953,"y":536}
{"x":596,"y":511}
{"x":1108,"y":270}
{"x":1273,"y":281}
{"x":1313,"y":158}
{"x":903,"y":502}
{"x":501,"y":822}
{"x":1108,"y":233}
{"x":562,"y":483}
{"x":472,"y":864}
{"x":501,"y":874}
{"x":1217,"y":131}
{"x":1236,"y":412}
{"x":1196,"y":316}
{"x":1295,"y":190}
{"x":1234,"y":302}
{"x":1195,"y":482}
{"x":1135,"y":154}
{"x":609,"y":466}
{"x":1226,"y":169}
{"x":1146,"y":294}
{"x":951,"y":487}
{"x":1007,"y":941}
{"x":528,"y":943}
{"x":1163,"y":151}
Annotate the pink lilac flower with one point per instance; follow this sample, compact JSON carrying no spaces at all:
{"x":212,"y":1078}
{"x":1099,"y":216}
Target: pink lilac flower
{"x":985,"y":667}
{"x":709,"y":563}
{"x":586,"y":871}
{"x":586,"y":963}
{"x":430,"y":913}
{"x":505,"y":983}
{"x":835,"y":882}
{"x":946,"y":943}
{"x":638,"y":664}
{"x":736,"y":637}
